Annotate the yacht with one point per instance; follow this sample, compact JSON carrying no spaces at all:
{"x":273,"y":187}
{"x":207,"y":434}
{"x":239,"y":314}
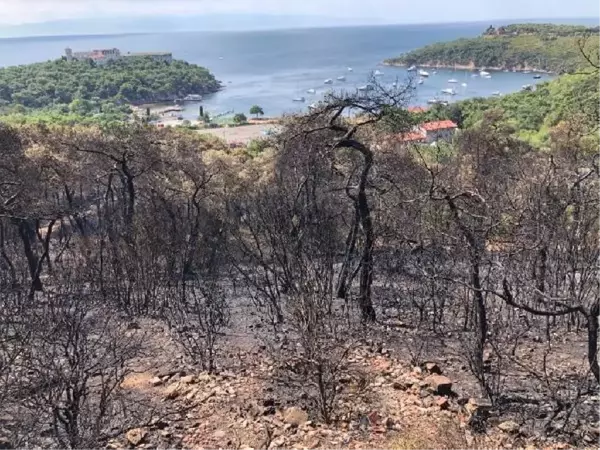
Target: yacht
{"x":483,"y":73}
{"x":311,"y":91}
{"x":496,"y":94}
{"x":378,"y":73}
{"x":412,"y":69}
{"x":342,"y":78}
{"x":300,"y":99}
{"x":423,"y":73}
{"x":350,"y":69}
{"x":464,"y":84}
{"x":449,"y":91}
{"x":452,"y":80}
{"x":328,"y":81}
{"x":193,"y":98}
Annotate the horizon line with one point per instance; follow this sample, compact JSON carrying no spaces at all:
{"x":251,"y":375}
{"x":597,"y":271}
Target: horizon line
{"x":303,"y":27}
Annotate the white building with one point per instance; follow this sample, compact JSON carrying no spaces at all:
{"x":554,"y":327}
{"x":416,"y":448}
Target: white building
{"x":102,"y":56}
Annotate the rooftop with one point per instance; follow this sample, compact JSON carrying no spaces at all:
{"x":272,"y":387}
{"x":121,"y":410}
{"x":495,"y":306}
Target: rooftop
{"x":438,"y":125}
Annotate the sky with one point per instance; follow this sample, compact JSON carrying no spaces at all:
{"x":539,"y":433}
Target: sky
{"x":15,"y":12}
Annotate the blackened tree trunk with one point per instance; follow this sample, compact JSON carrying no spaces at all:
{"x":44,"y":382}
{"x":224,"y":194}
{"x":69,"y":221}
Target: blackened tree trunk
{"x":28,"y":236}
{"x":593,"y":339}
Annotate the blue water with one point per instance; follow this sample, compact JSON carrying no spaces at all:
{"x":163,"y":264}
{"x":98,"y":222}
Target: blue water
{"x":271,"y":68}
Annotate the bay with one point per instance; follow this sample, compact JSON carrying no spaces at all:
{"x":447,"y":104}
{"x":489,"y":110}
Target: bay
{"x":272,"y":68}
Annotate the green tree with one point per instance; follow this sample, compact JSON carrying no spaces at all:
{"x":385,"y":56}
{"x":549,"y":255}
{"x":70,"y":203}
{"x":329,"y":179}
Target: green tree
{"x":240,"y":118}
{"x":257,"y":111}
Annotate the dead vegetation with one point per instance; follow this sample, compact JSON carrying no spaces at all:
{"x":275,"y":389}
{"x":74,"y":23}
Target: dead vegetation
{"x":329,"y":292}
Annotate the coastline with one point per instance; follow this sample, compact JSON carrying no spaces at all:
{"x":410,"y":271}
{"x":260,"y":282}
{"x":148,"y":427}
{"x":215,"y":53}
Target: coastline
{"x":471,"y":66}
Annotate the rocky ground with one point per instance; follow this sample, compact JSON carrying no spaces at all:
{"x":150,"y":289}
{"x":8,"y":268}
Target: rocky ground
{"x":384,"y":401}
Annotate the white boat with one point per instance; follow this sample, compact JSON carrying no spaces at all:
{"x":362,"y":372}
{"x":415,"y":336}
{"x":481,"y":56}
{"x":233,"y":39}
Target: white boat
{"x":487,"y":76}
{"x":220,"y":57}
{"x":313,"y":106}
{"x":452,"y":80}
{"x":496,"y":94}
{"x":527,"y":71}
{"x":394,"y":84}
{"x":527,"y":87}
{"x":434,"y":72}
{"x":193,"y":98}
{"x":423,"y":73}
{"x":412,"y":69}
{"x":350,"y":69}
{"x":421,"y":81}
{"x":300,"y":99}
{"x":449,"y":91}
{"x":328,"y":81}
{"x":474,"y":75}
{"x":483,"y":73}
{"x":366,"y":87}
{"x":378,"y":73}
{"x":464,"y":84}
{"x":311,"y":91}
{"x":342,"y":78}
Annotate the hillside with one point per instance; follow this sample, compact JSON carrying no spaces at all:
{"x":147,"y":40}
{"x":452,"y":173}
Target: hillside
{"x":136,"y":80}
{"x":533,"y":114}
{"x":538,"y":47}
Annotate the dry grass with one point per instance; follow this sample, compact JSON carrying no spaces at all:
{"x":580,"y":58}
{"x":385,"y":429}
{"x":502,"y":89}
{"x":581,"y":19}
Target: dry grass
{"x":442,"y":434}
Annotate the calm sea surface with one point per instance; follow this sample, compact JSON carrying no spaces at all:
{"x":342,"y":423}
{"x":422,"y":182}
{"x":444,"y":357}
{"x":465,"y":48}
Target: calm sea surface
{"x":271,"y":68}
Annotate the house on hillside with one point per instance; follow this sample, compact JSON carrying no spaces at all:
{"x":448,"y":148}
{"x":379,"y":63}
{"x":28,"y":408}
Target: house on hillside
{"x":441,"y":130}
{"x":428,"y":133}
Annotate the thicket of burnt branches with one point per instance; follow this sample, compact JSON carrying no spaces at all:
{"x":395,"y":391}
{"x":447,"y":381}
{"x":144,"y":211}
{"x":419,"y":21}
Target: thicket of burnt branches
{"x":99,"y":227}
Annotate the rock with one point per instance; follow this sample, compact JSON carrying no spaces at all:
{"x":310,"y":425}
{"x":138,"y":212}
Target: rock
{"x":189,"y":379}
{"x":5,"y":444}
{"x":312,"y":443}
{"x":440,"y":384}
{"x":433,"y":368}
{"x":295,"y":416}
{"x":219,"y":434}
{"x":278,"y":442}
{"x":389,"y":423}
{"x":175,"y":390}
{"x":509,"y":426}
{"x":135,"y":436}
{"x":443,"y":403}
{"x":267,"y":402}
{"x":156,"y":381}
{"x":374,"y":418}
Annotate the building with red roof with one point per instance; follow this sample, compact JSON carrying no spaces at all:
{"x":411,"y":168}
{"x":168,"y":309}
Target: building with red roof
{"x":429,"y":132}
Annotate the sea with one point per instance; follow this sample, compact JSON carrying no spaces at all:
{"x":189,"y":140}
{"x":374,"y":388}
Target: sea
{"x":273,"y":68}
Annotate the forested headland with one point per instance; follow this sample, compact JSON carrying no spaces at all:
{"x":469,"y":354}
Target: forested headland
{"x":83,"y":90}
{"x":533,"y":47}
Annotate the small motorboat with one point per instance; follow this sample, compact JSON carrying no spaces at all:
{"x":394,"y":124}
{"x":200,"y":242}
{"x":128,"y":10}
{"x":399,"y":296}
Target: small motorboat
{"x":474,"y":75}
{"x":487,"y":76}
{"x":527,"y":71}
{"x":449,"y":91}
{"x":313,"y":106}
{"x":300,"y":99}
{"x":378,"y":73}
{"x":412,"y":69}
{"x":464,"y":84}
{"x":311,"y":91}
{"x":423,"y":73}
{"x":537,"y":77}
{"x":342,"y":78}
{"x":452,"y":80}
{"x":328,"y":81}
{"x":421,"y":81}
{"x":434,"y":72}
{"x":366,"y":87}
{"x":350,"y":69}
{"x":394,"y":84}
{"x":483,"y":73}
{"x":496,"y":94}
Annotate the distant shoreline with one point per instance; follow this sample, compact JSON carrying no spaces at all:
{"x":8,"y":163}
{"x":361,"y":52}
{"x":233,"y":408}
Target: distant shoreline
{"x":471,"y":67}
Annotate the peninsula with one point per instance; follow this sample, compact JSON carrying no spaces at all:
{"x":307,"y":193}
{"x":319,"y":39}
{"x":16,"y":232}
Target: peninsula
{"x":519,"y":47}
{"x":96,"y":83}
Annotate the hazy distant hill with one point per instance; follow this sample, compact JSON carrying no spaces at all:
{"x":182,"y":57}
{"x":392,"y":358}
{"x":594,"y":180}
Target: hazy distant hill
{"x":212,"y":22}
